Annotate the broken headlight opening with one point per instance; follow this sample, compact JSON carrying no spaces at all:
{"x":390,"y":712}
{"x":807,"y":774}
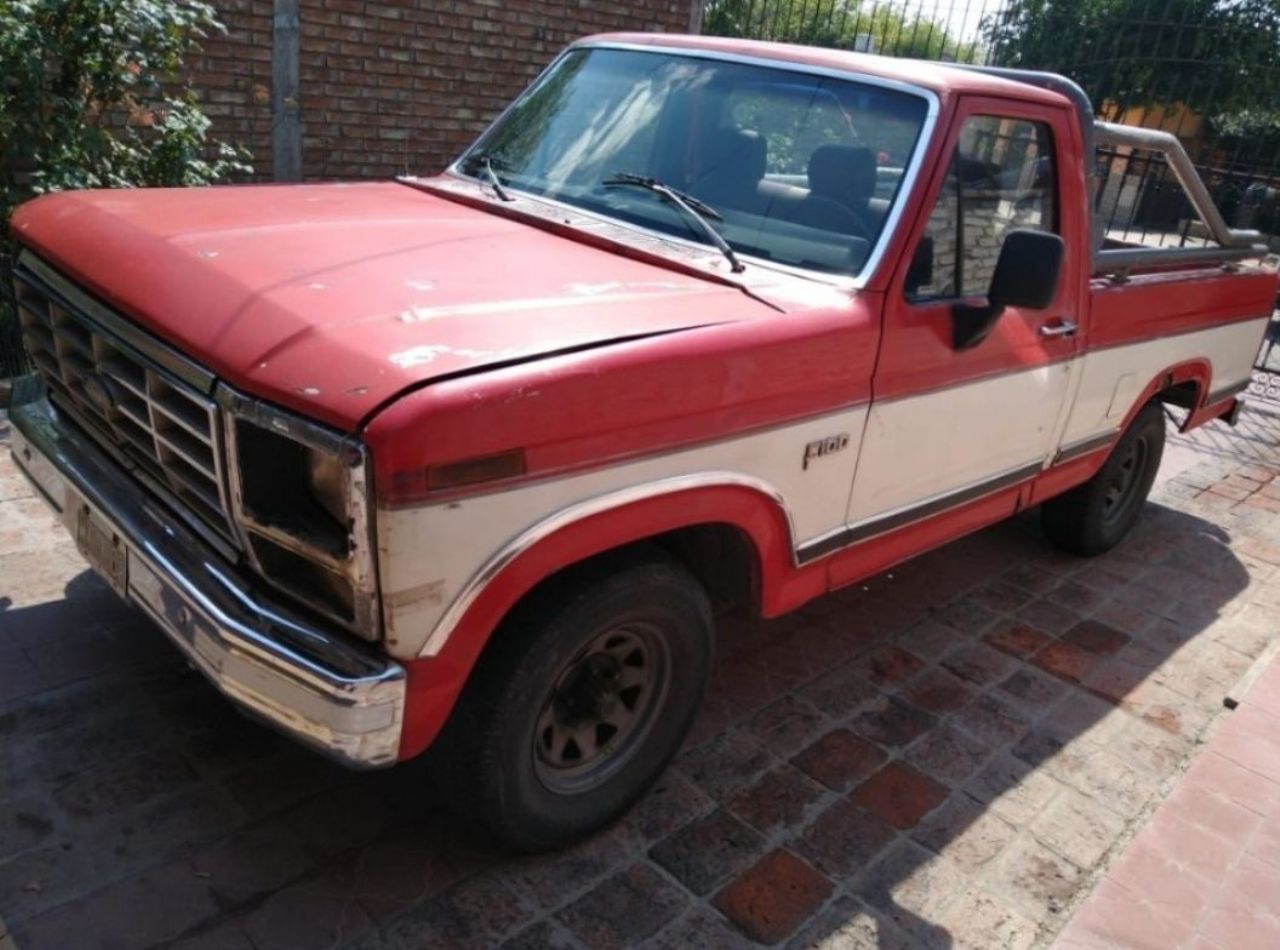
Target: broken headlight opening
{"x":300,"y":499}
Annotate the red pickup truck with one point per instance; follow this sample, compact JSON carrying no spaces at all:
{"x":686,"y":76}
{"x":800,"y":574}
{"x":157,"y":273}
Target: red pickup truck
{"x":697,"y":325}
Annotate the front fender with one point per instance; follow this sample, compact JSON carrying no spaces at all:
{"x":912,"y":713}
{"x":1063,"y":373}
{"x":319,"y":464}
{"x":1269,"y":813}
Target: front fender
{"x":577,"y":533}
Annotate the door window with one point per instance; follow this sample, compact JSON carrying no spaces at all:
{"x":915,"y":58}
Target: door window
{"x":1001,"y":177}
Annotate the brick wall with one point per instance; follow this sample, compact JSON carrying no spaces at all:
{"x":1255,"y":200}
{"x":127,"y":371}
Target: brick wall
{"x":392,"y":87}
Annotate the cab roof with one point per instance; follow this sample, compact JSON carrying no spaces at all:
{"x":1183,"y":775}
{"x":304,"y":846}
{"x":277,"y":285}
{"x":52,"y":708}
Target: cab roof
{"x":940,"y":78}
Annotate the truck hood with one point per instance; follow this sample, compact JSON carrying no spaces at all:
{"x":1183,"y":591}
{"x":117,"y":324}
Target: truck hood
{"x":330,"y":299}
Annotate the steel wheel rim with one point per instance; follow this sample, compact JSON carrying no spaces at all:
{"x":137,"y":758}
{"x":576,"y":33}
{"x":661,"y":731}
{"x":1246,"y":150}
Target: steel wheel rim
{"x":600,"y":709}
{"x":1124,"y":482}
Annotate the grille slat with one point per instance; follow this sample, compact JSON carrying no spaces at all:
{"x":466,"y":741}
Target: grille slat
{"x":164,"y":425}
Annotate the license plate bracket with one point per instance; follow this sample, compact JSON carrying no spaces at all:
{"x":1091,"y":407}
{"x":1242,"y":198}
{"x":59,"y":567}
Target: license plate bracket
{"x":102,"y":547}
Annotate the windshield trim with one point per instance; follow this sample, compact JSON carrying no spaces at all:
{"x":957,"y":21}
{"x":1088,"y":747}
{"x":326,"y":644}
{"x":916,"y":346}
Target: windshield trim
{"x":909,"y":176}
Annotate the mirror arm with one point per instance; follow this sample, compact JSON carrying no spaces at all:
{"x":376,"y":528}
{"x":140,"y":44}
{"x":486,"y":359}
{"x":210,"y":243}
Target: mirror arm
{"x":970,"y":324}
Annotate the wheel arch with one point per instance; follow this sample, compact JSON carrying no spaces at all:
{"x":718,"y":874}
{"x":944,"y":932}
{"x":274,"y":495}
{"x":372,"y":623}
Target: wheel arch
{"x":742,"y":522}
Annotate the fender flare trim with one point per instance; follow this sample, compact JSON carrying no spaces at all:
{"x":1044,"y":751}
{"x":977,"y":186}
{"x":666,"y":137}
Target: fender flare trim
{"x":591,"y":507}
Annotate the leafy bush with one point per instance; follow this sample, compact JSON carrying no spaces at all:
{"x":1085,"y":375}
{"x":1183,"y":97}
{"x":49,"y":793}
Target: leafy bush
{"x":91,"y":96}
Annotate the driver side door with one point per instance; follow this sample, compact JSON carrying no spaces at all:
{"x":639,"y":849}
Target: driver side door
{"x":949,"y":426}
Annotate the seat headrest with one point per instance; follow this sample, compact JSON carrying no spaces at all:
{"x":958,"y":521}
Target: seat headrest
{"x":844,"y":173}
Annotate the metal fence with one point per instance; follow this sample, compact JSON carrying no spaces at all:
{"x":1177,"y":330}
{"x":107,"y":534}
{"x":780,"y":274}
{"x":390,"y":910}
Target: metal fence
{"x":1206,"y":70}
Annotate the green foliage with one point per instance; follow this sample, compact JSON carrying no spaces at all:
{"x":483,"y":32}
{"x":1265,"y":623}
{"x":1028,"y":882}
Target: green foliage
{"x":91,"y":96}
{"x":1255,"y":131}
{"x":838,"y":23}
{"x":1216,"y":55}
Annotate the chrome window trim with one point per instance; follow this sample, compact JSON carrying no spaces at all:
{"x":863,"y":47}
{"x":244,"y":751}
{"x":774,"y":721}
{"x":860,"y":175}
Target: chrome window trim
{"x":910,"y":174}
{"x":585,"y":509}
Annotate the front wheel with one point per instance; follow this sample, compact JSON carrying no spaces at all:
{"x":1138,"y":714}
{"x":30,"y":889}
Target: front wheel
{"x":1094,"y":517}
{"x":583,"y":697}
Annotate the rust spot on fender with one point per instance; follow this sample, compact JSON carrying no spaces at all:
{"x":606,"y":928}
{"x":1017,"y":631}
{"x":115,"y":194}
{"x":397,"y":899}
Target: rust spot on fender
{"x":431,"y":592}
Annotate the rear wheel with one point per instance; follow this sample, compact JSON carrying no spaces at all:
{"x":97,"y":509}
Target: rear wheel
{"x":1095,"y":516}
{"x":584,"y":696}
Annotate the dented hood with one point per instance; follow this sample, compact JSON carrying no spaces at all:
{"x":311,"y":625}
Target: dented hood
{"x":330,"y":299}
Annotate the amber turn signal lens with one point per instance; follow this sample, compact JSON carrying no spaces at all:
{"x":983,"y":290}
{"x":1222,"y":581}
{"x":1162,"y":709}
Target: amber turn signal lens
{"x":487,"y":468}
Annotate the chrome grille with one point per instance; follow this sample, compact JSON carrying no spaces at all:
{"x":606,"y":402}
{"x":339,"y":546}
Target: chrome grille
{"x":168,"y":428}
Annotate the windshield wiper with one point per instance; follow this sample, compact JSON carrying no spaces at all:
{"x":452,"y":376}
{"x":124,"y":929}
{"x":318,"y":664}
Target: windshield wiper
{"x":485,"y":162}
{"x":695,"y":210}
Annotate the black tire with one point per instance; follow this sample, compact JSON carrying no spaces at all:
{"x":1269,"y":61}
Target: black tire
{"x":1094,"y":517}
{"x":625,"y":644}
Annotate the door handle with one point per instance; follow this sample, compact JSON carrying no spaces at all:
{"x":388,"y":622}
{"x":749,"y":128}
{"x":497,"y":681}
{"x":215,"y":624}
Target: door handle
{"x":1061,"y":328}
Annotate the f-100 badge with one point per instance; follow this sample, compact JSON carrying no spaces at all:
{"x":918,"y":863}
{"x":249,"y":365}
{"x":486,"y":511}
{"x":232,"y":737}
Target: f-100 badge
{"x":827,"y":446}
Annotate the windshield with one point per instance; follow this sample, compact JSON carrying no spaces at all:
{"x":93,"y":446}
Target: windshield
{"x":799,"y":169}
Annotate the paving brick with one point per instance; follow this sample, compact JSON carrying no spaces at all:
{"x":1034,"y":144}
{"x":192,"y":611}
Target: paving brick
{"x":841,"y":692}
{"x":930,"y":638}
{"x":1078,"y":828}
{"x":1079,"y":594}
{"x":785,"y":725}
{"x":900,"y":794}
{"x":346,"y":818}
{"x":704,"y":852}
{"x":848,"y":924}
{"x":1030,"y":690}
{"x":913,"y":888}
{"x":141,"y":911}
{"x":628,"y":907}
{"x":947,"y":754}
{"x":892,"y":722}
{"x":966,"y":831}
{"x":978,"y":663}
{"x":991,"y":720}
{"x":409,"y":865}
{"x":248,"y":864}
{"x":1031,"y":577}
{"x":475,"y":913}
{"x":1001,"y":596}
{"x":120,"y":785}
{"x":889,"y":664}
{"x":843,"y":838}
{"x":24,"y":824}
{"x":774,"y":897}
{"x":672,"y":801}
{"x":1096,"y":637}
{"x":937,"y":691}
{"x":308,"y":914}
{"x":980,"y":920}
{"x":1041,"y":883}
{"x":840,"y":759}
{"x":544,"y":935}
{"x":967,"y":617}
{"x":1012,"y":789}
{"x":1018,"y":639}
{"x":1065,"y":660}
{"x":780,"y":798}
{"x":1045,"y":615}
{"x":223,"y":935}
{"x":724,"y":765}
{"x":700,"y":928}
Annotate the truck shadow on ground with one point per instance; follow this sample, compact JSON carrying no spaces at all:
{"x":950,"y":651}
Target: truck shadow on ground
{"x":940,"y":754}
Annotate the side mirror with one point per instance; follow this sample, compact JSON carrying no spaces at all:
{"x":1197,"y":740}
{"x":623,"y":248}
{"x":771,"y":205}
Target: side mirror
{"x":1026,"y":275}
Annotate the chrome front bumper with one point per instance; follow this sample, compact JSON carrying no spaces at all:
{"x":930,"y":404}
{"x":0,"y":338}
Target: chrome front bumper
{"x":309,"y":682}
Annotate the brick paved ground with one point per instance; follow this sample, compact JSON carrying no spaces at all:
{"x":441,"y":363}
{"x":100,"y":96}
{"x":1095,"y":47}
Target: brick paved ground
{"x":1205,"y":871}
{"x":947,"y":755}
